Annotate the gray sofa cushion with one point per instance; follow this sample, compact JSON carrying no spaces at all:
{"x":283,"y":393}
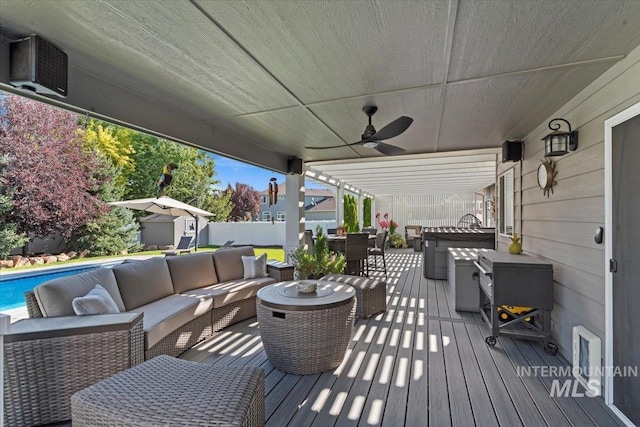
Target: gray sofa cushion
{"x":233,"y":290}
{"x":55,"y":296}
{"x":167,"y":314}
{"x":228,"y":262}
{"x":143,"y":282}
{"x":97,"y":301}
{"x":254,"y":266}
{"x":192,"y":271}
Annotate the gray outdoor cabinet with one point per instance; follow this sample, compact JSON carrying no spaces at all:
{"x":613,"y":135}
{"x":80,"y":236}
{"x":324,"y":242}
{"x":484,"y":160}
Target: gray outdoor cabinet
{"x":517,"y":281}
{"x":461,"y":272}
{"x":437,"y":242}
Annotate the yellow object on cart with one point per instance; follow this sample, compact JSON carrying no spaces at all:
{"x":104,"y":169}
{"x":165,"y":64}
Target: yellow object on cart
{"x":507,"y":313}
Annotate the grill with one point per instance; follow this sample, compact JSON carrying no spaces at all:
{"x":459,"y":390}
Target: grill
{"x":516,"y":297}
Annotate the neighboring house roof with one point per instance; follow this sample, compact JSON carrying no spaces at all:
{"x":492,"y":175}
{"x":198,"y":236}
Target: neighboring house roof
{"x":311,"y":192}
{"x":325,"y":205}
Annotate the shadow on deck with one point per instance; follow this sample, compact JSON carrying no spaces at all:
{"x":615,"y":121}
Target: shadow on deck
{"x":420,"y":363}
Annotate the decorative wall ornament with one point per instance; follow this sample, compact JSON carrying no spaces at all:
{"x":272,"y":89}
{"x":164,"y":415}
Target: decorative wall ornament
{"x":546,"y":176}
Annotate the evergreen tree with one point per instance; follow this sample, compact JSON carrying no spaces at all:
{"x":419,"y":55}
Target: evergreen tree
{"x":366,"y":212}
{"x":351,"y":214}
{"x":9,"y":237}
{"x":116,"y":230}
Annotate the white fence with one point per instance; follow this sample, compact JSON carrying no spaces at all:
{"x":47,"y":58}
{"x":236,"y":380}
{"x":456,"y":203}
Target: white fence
{"x":433,"y":210}
{"x":256,"y":233}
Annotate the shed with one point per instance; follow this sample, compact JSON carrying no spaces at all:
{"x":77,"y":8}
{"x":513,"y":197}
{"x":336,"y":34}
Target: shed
{"x":166,"y":230}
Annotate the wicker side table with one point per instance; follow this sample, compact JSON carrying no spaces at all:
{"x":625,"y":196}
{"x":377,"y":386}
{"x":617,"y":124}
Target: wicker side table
{"x":166,"y":391}
{"x":49,"y":359}
{"x":280,"y":270}
{"x":306,"y":333}
{"x":371,"y":293}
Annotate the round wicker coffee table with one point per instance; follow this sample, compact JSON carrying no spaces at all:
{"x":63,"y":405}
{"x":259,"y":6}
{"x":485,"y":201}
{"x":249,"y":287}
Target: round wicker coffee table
{"x":306,"y":333}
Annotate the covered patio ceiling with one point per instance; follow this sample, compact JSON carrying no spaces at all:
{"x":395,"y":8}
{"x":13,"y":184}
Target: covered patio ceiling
{"x":260,"y":81}
{"x":458,"y":172}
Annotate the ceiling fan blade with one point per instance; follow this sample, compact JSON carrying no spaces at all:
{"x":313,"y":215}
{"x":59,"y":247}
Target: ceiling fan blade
{"x":389,"y":150}
{"x":334,"y":146}
{"x":393,"y":129}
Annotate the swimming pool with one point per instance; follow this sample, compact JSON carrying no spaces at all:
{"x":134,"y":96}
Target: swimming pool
{"x":12,"y":289}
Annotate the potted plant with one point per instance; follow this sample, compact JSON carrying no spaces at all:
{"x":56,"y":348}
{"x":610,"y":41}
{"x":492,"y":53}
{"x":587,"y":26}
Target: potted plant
{"x":321,"y":263}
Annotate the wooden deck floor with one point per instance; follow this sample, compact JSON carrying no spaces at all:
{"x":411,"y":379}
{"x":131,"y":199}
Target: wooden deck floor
{"x":420,"y":363}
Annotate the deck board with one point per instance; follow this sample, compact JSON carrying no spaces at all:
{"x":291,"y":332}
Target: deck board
{"x":420,"y":363}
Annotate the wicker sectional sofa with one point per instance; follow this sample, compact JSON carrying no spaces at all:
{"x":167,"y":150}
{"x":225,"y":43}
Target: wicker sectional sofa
{"x":184,"y":299}
{"x":167,"y":305}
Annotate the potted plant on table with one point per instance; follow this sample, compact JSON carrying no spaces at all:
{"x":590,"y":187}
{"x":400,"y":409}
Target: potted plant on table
{"x":321,"y":263}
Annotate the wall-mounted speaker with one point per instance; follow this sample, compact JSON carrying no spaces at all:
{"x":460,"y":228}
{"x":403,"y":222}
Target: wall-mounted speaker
{"x":38,"y":65}
{"x":512,"y":151}
{"x":294,"y":166}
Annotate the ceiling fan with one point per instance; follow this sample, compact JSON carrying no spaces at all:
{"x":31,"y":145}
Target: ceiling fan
{"x":373,"y":139}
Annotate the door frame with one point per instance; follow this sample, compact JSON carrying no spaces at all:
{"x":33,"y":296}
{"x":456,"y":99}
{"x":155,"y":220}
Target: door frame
{"x":619,"y":118}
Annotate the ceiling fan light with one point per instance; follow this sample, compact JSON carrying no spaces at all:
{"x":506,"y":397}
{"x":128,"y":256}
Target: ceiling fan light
{"x":370,"y":144}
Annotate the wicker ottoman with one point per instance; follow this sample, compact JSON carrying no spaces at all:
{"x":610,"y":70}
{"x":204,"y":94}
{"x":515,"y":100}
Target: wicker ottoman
{"x":370,"y":293}
{"x":166,"y":391}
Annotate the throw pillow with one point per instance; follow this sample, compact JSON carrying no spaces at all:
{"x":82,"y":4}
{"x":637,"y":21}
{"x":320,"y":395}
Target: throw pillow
{"x":254,"y":266}
{"x":97,"y":301}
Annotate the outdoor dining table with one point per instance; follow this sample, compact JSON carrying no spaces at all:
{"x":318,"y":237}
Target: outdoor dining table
{"x":339,"y":243}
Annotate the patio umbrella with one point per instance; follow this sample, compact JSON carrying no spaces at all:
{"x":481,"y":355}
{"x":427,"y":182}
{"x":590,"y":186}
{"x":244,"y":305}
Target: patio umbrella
{"x":167,"y":206}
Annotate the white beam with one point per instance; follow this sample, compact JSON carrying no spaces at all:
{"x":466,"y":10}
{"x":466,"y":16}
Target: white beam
{"x":295,"y":221}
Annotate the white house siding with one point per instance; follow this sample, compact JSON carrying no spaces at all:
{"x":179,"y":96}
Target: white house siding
{"x":428,"y":210}
{"x":560,"y":228}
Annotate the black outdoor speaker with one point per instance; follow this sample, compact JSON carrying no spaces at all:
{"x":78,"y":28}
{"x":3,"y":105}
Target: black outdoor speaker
{"x":512,"y":151}
{"x":294,"y":166}
{"x":37,"y":65}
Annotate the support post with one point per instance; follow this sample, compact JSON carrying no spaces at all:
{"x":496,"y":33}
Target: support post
{"x":294,"y":211}
{"x":197,"y":232}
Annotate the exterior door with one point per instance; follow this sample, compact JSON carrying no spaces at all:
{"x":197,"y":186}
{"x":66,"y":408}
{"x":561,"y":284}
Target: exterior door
{"x":625,"y":264}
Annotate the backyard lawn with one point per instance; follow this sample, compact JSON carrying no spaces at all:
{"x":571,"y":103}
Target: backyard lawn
{"x":272,"y":253}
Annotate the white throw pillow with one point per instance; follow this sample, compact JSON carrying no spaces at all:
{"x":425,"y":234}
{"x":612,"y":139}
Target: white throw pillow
{"x":97,"y":301}
{"x":254,"y":266}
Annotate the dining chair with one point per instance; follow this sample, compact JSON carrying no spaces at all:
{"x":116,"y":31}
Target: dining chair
{"x":372,"y":231}
{"x":308,"y":240}
{"x":378,"y":251}
{"x":356,"y":253}
{"x":333,"y":231}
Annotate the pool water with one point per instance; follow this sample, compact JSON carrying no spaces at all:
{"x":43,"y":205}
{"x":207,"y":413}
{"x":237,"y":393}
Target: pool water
{"x":12,"y":290}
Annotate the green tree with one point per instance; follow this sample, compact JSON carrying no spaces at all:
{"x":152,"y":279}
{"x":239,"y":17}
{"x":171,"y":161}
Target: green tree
{"x":116,"y":230}
{"x":9,"y":236}
{"x":351,"y":214}
{"x":193,"y":182}
{"x":113,"y":142}
{"x":366,"y":212}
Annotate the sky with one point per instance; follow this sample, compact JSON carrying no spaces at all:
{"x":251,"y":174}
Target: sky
{"x":229,"y":171}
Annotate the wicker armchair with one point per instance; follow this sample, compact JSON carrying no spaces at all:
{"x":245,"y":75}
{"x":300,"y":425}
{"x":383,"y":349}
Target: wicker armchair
{"x":49,"y":359}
